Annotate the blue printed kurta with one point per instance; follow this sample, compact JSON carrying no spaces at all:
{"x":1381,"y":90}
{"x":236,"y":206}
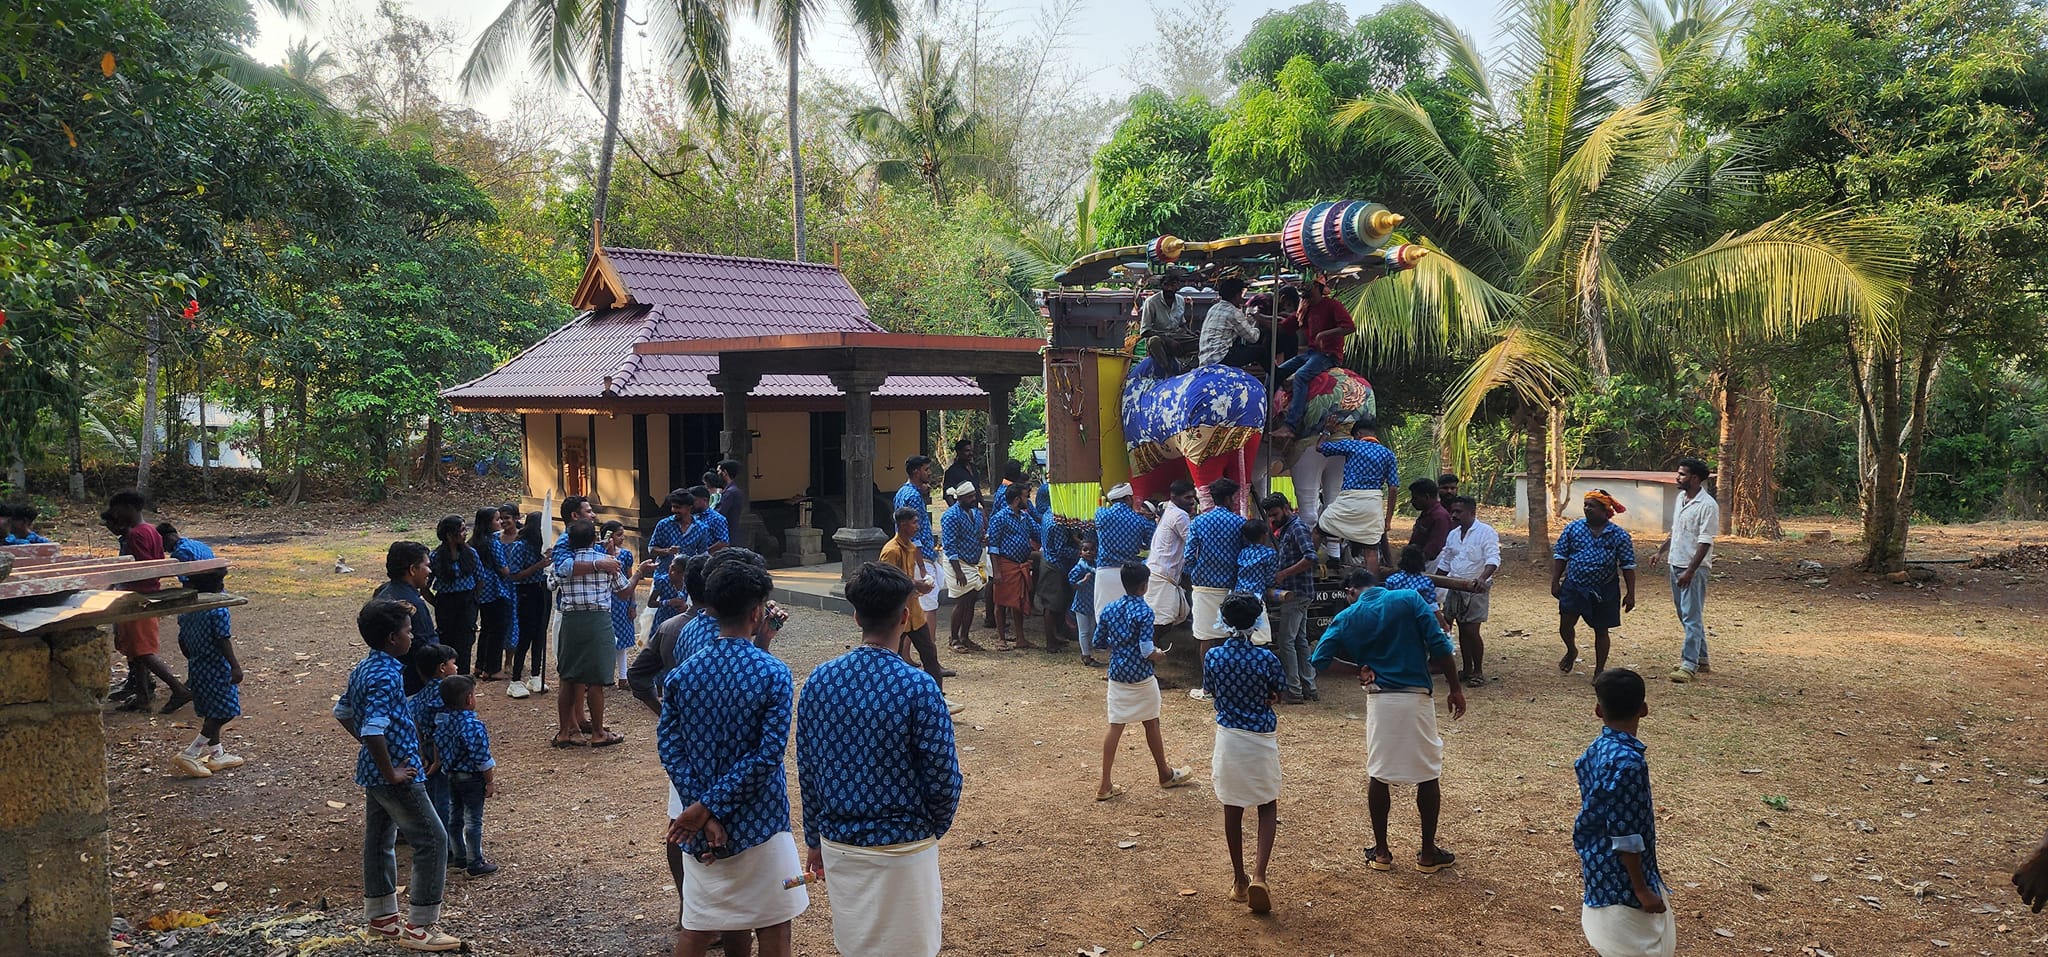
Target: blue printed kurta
{"x":1120,"y":534}
{"x":715,"y":525}
{"x":1243,"y":680}
{"x":698,"y":634}
{"x":374,"y":704}
{"x":491,"y":584}
{"x":1083,"y":580}
{"x":1214,"y":538}
{"x":464,"y":744}
{"x":1419,"y":584}
{"x":425,"y":706}
{"x":625,"y":610}
{"x":1367,"y":464}
{"x":875,"y":763}
{"x":457,"y":576}
{"x":1056,"y":541}
{"x":207,"y":672}
{"x":960,"y":534}
{"x":1125,"y":626}
{"x":912,"y":497}
{"x":725,"y":716}
{"x":1594,"y":559}
{"x":665,"y":535}
{"x":1010,"y":535}
{"x":1615,"y":814}
{"x":1255,"y":567}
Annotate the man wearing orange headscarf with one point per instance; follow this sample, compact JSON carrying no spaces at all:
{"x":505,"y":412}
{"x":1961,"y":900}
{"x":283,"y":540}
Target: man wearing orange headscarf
{"x":1591,"y":562}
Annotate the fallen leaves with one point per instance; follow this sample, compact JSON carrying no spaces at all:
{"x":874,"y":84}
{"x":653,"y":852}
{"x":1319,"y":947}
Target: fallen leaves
{"x":175,"y":920}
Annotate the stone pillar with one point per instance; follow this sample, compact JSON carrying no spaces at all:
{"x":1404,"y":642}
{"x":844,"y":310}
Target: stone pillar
{"x":998,"y":388}
{"x":860,"y":540}
{"x":55,"y":900}
{"x":734,"y":439}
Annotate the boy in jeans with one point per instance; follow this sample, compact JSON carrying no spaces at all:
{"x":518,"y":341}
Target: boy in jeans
{"x":374,"y":711}
{"x":465,"y":748}
{"x":1616,"y":833}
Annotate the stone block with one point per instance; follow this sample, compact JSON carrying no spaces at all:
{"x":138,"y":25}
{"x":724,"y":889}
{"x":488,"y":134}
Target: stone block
{"x":804,"y":546}
{"x":84,"y":657}
{"x":70,"y":902}
{"x":57,"y":766}
{"x":24,"y":671}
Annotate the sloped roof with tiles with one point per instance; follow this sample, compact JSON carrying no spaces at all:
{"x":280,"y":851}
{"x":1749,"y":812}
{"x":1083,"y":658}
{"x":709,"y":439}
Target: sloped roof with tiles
{"x":631,"y":296}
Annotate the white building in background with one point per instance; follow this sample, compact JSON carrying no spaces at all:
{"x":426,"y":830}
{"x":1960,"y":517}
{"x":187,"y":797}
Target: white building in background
{"x":219,"y":419}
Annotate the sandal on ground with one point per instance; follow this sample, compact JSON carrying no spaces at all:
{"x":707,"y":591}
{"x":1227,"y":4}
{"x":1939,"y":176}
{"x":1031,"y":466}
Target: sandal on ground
{"x":571,"y":742}
{"x":1239,"y":892}
{"x":607,"y":739}
{"x":1379,"y":858}
{"x":1115,"y":790}
{"x":1261,"y":897}
{"x":1090,"y":661}
{"x":1570,"y":658}
{"x":1182,"y":777}
{"x":1475,"y":680}
{"x":1445,"y":859}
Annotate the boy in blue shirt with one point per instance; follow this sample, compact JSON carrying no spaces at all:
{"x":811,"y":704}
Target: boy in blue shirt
{"x":1616,"y":834}
{"x":1082,"y":578}
{"x":21,"y":525}
{"x":1411,"y":576}
{"x":1125,"y":625}
{"x":434,"y":664}
{"x":213,"y":672}
{"x":373,"y":710}
{"x":1244,"y":767}
{"x":464,"y":747}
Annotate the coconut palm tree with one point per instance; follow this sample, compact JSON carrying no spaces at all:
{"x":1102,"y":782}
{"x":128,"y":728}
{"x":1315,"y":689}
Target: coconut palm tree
{"x":1581,"y":226}
{"x":932,"y":136}
{"x":582,"y":42}
{"x":305,"y":60}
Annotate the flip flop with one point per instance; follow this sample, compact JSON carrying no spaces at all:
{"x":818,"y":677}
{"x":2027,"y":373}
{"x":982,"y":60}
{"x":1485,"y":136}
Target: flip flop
{"x":1115,"y":790}
{"x":1237,"y":894}
{"x":1565,"y":663}
{"x":1448,"y":859}
{"x":1182,"y":777}
{"x":1372,"y":858}
{"x":1261,"y":897}
{"x":610,"y":738}
{"x":558,"y":741}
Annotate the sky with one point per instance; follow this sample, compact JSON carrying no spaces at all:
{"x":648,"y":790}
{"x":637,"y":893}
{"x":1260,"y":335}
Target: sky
{"x":1109,"y":34}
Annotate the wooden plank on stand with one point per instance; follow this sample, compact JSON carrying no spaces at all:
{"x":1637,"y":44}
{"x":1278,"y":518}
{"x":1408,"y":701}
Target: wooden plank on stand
{"x":107,"y":577}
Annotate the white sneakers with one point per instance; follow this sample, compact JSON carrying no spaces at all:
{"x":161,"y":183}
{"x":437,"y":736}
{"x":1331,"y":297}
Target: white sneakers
{"x":517,"y":689}
{"x":220,"y":760}
{"x":1198,"y":694}
{"x":952,"y":708}
{"x":190,"y":766}
{"x":430,"y":939}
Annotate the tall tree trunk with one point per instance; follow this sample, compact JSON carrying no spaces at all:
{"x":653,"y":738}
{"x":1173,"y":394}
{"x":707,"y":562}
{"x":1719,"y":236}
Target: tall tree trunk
{"x":298,"y":442}
{"x":615,"y":79}
{"x":1558,"y":475}
{"x":1725,"y":465}
{"x":75,"y":437}
{"x":1534,"y":424}
{"x":1914,"y":438}
{"x":17,"y":465}
{"x":1592,"y":314}
{"x":430,"y":453}
{"x":1884,"y":549}
{"x":796,"y":153}
{"x":1747,"y":487}
{"x":152,"y":365}
{"x":205,"y":438}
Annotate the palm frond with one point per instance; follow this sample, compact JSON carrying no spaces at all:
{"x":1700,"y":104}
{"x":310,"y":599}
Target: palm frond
{"x":1403,"y":127}
{"x":1438,"y":306}
{"x":1528,"y":360}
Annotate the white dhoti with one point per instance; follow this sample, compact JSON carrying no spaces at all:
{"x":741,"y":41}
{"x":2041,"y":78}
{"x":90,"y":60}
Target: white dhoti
{"x":1109,"y":586}
{"x":971,"y":578}
{"x":744,"y":891}
{"x":1621,"y":931}
{"x":1169,"y":603}
{"x":1131,"y":703}
{"x":1208,"y":614}
{"x":675,"y":803}
{"x":885,"y":900}
{"x":1358,"y":515}
{"x":1401,"y":742}
{"x":929,"y":601}
{"x":1244,"y":767}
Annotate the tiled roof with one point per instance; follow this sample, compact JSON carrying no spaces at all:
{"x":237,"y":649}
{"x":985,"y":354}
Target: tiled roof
{"x":691,"y":296}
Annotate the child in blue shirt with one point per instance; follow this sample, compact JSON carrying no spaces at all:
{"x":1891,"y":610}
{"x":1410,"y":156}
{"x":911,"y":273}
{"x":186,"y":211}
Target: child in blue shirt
{"x":435,"y":663}
{"x":1244,"y":681}
{"x":1411,"y":576}
{"x":373,"y":710}
{"x":1125,"y":626}
{"x":464,"y":746}
{"x":1083,"y":606}
{"x":1624,"y":914}
{"x":213,"y":672}
{"x":626,"y":610}
{"x":21,"y":525}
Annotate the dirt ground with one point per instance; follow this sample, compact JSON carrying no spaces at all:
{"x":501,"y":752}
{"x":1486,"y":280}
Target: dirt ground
{"x":1858,"y":776}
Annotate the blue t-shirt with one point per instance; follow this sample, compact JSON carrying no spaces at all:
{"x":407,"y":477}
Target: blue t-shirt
{"x":1243,"y":679}
{"x":1214,"y":538}
{"x":1594,"y":558}
{"x":1125,"y":626}
{"x":1392,"y":632}
{"x":1367,"y":464}
{"x":1615,"y":814}
{"x":1083,"y":579}
{"x":875,"y":763}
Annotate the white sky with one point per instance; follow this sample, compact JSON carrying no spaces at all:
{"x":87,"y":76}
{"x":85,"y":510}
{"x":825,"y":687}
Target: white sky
{"x":1106,"y":33}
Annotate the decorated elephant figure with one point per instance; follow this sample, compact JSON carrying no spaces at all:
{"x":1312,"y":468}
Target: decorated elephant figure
{"x":1202,"y":425}
{"x":1339,"y":393}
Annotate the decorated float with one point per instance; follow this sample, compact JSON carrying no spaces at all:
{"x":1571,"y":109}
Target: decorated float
{"x":1115,"y":415}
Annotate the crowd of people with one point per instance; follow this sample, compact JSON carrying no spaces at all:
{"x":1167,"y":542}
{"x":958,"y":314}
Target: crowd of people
{"x":877,"y":770}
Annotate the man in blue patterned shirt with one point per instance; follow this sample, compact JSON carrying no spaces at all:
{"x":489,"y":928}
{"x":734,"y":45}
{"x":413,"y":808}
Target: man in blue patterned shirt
{"x":725,"y":716}
{"x":1213,"y":540}
{"x":1591,"y":561}
{"x":963,"y":538}
{"x":917,"y":470}
{"x":1296,"y":577}
{"x":1244,"y":766}
{"x":880,"y":781}
{"x":464,"y":746}
{"x":1124,"y":625}
{"x":373,"y":710}
{"x":664,"y":542}
{"x":1361,"y":513}
{"x":715,"y":525}
{"x":1624,"y":914}
{"x":1011,"y":544}
{"x":1121,"y":535}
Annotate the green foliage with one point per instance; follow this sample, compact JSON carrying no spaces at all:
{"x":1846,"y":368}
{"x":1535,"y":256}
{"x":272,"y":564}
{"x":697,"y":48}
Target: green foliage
{"x":1319,"y":30}
{"x":1153,"y":177}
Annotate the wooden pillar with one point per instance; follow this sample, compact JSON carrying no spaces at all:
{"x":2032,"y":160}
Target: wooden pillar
{"x":860,"y":540}
{"x":998,"y":388}
{"x":734,"y":441}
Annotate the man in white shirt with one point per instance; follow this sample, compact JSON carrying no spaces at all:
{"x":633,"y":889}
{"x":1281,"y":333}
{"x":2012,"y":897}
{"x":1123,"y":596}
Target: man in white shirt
{"x":1691,"y":549}
{"x":1172,"y":340}
{"x":1168,"y":557}
{"x":1471,"y":550}
{"x":1227,"y":325}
